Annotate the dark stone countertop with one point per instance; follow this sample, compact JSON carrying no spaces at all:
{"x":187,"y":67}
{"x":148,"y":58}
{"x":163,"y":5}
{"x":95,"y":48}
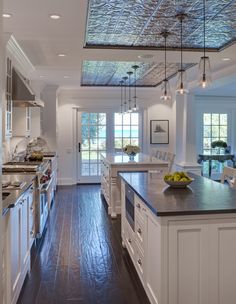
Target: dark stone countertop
{"x":202,"y":196}
{"x":14,"y":196}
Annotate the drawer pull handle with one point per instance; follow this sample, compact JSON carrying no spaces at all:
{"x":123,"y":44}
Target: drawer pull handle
{"x":138,"y":206}
{"x":130,"y":241}
{"x":139,"y":231}
{"x":139,"y":261}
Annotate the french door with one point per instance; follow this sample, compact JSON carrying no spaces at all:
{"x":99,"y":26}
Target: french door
{"x":92,"y":141}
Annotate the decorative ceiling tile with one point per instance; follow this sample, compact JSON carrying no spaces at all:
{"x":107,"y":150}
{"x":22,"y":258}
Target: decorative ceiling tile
{"x":138,"y":23}
{"x":110,"y":73}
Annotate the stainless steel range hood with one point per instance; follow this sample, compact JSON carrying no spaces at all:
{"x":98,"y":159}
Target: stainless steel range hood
{"x":22,"y":94}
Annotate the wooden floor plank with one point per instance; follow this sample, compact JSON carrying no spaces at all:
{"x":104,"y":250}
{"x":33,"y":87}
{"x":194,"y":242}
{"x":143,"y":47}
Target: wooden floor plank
{"x":80,"y":259}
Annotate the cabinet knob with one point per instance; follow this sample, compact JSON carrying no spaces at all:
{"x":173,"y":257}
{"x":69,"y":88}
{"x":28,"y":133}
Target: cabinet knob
{"x":129,"y":240}
{"x":144,"y":209}
{"x":138,"y":206}
{"x":139,"y":231}
{"x":31,"y":208}
{"x":139,"y":261}
{"x":31,"y":233}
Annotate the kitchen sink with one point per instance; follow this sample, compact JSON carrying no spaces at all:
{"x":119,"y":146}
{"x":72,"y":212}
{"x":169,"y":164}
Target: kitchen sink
{"x":5,"y":195}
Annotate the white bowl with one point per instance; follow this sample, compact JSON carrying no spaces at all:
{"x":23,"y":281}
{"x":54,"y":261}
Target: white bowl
{"x":179,"y":184}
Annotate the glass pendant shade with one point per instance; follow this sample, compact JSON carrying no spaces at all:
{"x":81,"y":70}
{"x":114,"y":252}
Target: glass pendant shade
{"x":135,"y":106}
{"x":165,"y":90}
{"x":204,"y":69}
{"x":181,"y":85}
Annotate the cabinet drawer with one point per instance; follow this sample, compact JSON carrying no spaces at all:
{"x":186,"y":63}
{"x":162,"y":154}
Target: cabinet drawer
{"x":140,"y":231}
{"x":130,"y":241}
{"x":140,"y":208}
{"x":139,"y":263}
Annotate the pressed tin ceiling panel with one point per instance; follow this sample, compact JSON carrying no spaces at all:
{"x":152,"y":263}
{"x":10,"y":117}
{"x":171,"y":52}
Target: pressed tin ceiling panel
{"x":138,"y":23}
{"x":110,"y":73}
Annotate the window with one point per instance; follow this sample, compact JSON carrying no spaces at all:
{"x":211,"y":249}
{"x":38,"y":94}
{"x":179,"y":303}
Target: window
{"x":126,"y":130}
{"x":215,"y":127}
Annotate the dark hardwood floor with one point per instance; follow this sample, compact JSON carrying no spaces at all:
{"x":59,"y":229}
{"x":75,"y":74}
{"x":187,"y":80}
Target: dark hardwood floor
{"x":80,"y":259}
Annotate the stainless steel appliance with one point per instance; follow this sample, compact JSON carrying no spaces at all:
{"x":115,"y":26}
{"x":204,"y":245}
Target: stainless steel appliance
{"x":129,"y":205}
{"x":42,"y":185}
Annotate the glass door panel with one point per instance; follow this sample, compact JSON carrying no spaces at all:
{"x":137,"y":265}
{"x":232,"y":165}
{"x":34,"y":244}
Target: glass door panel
{"x":92,"y":142}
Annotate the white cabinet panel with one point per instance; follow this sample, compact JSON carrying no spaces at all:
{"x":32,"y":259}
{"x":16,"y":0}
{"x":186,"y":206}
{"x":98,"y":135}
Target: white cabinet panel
{"x":222,"y":281}
{"x":15,"y":250}
{"x":153,"y":261}
{"x":188,"y":263}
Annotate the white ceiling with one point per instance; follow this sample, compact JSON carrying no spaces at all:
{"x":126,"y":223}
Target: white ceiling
{"x":42,"y":39}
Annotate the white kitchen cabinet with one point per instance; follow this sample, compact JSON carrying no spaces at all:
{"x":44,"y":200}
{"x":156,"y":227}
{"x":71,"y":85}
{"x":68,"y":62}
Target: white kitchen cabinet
{"x":36,"y":127}
{"x":182,"y":259}
{"x":17,"y":244}
{"x":21,"y":121}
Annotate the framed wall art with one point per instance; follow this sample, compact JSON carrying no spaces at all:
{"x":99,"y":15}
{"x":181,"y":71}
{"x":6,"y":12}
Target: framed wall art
{"x":159,"y":131}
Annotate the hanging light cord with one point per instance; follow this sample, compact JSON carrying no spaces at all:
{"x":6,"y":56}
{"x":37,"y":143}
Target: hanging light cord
{"x":121,"y":95}
{"x":204,"y":34}
{"x":165,"y":54}
{"x":181,"y":48}
{"x":135,"y":85}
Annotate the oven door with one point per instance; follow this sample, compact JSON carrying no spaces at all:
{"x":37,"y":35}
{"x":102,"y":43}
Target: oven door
{"x":129,"y":206}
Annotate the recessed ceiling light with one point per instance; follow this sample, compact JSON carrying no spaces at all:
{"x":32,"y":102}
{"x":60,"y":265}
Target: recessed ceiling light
{"x":146,"y":56}
{"x":226,"y":59}
{"x":66,"y":77}
{"x":61,"y":55}
{"x":55,"y":16}
{"x":6,"y":15}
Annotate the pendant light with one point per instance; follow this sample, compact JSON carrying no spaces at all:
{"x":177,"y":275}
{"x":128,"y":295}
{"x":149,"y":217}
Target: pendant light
{"x":135,"y":106}
{"x":165,"y":86}
{"x":129,"y":100}
{"x":125,"y":94}
{"x":121,"y":96}
{"x":204,"y":64}
{"x":181,"y":86}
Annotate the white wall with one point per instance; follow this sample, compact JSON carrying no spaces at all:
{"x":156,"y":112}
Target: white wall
{"x":161,"y":111}
{"x":49,"y":116}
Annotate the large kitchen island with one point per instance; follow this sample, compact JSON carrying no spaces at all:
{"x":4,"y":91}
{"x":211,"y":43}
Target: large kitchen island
{"x":182,"y":241}
{"x":113,"y":163}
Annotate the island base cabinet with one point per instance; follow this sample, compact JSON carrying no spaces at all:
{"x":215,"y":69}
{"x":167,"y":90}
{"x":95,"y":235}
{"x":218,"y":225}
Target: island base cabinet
{"x":153,"y":261}
{"x":202,"y":268}
{"x":188,"y":263}
{"x":222,"y":265}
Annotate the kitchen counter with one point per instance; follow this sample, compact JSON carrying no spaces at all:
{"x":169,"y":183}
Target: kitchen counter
{"x":122,"y":158}
{"x":14,"y":195}
{"x":113,"y":163}
{"x":203,"y":196}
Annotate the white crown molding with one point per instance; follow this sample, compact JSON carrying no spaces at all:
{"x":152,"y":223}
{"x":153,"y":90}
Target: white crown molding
{"x":19,"y":55}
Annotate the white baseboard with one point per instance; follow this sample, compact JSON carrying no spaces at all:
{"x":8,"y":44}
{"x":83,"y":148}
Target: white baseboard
{"x":65,"y":182}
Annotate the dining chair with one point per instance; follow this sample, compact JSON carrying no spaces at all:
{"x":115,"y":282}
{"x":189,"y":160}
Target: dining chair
{"x":229,"y":175}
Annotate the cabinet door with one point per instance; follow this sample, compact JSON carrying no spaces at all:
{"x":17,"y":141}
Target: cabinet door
{"x":25,"y":232}
{"x":222,"y":266}
{"x":15,"y":249}
{"x":153,"y":260}
{"x":188,"y":262}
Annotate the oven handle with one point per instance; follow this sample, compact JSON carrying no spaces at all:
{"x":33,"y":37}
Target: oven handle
{"x":43,"y":190}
